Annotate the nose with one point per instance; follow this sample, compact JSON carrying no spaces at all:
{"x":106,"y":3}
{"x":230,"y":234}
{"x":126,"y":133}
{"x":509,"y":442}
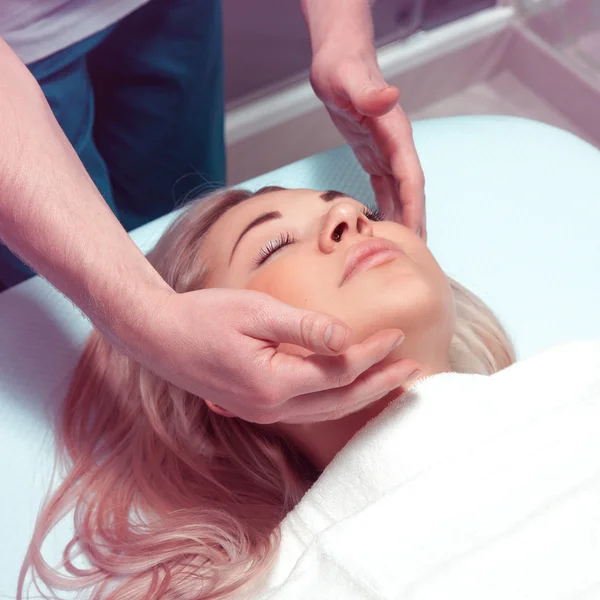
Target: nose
{"x":343,"y":221}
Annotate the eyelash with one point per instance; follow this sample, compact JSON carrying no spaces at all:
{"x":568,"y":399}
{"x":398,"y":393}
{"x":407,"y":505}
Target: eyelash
{"x":372,"y":215}
{"x":285,"y":239}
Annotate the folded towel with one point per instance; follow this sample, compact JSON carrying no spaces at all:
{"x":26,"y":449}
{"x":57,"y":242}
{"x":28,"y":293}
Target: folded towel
{"x":467,"y":487}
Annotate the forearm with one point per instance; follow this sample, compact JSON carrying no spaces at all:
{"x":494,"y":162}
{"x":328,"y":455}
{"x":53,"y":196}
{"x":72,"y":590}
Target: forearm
{"x":53,"y":217}
{"x":67,"y":233}
{"x":338,"y":22}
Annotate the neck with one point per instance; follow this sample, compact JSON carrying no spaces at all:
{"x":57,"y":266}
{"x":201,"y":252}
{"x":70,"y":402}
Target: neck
{"x":320,"y":442}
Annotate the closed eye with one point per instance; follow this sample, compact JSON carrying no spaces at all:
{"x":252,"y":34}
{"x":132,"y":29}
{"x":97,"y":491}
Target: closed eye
{"x":372,"y":215}
{"x":285,"y":239}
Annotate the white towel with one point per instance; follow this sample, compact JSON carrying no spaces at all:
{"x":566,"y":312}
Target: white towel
{"x":467,"y":487}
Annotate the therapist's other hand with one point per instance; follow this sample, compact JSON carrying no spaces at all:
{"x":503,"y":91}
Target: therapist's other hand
{"x":366,"y":111}
{"x":222,"y":345}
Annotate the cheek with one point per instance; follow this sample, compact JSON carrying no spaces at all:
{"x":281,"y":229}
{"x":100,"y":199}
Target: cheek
{"x":295,"y":282}
{"x":431,"y":296}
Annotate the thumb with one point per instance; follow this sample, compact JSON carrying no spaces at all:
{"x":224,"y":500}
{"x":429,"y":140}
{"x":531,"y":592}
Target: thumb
{"x":317,"y":332}
{"x":371,"y":99}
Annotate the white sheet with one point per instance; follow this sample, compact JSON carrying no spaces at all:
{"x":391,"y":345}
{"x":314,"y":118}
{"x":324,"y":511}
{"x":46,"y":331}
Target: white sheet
{"x":513,"y":213}
{"x":467,"y":487}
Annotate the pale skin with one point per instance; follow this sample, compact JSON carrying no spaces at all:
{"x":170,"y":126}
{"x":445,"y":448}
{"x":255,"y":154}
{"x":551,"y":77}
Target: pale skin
{"x":217,"y":344}
{"x":304,"y":253}
{"x":346,"y":77}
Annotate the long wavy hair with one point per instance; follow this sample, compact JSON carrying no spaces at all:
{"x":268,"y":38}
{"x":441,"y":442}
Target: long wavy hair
{"x":171,"y":501}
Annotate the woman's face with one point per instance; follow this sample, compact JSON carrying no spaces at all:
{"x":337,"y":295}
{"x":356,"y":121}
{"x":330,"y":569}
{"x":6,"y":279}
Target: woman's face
{"x":326,"y":252}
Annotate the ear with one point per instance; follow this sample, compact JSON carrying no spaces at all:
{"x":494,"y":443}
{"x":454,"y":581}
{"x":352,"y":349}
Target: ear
{"x":218,"y":410}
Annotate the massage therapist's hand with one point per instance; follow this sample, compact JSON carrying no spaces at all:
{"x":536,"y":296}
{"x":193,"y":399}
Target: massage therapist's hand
{"x":222,"y":344}
{"x":346,"y":77}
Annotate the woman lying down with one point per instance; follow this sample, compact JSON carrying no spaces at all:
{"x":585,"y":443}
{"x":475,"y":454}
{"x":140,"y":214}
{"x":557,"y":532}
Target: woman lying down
{"x":478,"y":474}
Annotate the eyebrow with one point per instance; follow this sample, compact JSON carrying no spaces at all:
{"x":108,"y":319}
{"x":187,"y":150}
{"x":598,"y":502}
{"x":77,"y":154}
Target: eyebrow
{"x":327,"y":196}
{"x":330,"y":195}
{"x":264,"y":218}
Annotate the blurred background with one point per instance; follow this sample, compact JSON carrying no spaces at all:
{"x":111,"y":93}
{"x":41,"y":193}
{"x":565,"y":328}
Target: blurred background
{"x":255,"y":28}
{"x":532,"y":58}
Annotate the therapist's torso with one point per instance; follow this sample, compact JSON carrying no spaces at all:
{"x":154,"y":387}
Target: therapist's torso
{"x":36,"y":29}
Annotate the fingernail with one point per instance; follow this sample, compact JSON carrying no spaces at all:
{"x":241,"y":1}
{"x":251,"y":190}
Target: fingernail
{"x":335,"y":336}
{"x":414,"y":375}
{"x":398,"y":342}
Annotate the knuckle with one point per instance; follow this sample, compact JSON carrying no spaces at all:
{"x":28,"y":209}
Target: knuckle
{"x":420,"y":177}
{"x":391,"y":379}
{"x":346,"y":377}
{"x":341,"y":407}
{"x":309,"y":327}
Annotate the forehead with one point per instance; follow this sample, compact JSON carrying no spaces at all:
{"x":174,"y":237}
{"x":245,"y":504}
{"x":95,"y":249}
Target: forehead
{"x":285,"y":201}
{"x":288,"y":202}
{"x":225,"y":231}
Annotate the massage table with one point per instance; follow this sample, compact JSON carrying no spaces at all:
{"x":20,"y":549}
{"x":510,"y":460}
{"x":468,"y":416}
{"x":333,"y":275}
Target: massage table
{"x":513,"y":213}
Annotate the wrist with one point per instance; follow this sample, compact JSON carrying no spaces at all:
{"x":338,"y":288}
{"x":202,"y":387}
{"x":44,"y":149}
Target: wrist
{"x":334,"y":66}
{"x":338,"y":24}
{"x":129,"y":312}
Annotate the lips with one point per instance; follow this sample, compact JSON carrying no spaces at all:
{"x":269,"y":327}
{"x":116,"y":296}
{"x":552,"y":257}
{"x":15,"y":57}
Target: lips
{"x":370,"y":253}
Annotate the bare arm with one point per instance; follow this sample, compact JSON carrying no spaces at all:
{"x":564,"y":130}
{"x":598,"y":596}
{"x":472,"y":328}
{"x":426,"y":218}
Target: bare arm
{"x":221,"y":345}
{"x":338,"y":22}
{"x":346,"y":77}
{"x":54,"y":218}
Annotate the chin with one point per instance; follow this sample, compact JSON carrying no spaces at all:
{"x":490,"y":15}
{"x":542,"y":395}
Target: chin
{"x":416,"y":305}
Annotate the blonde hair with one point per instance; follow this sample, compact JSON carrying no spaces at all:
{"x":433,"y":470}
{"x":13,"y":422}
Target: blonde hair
{"x":171,"y":500}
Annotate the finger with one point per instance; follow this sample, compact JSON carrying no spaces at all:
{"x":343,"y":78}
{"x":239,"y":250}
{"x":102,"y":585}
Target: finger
{"x":412,"y":200}
{"x":393,"y":192}
{"x":298,"y":375}
{"x":376,"y":102}
{"x":407,"y":171}
{"x":368,"y":98}
{"x":386,"y":201}
{"x":404,"y":165}
{"x":411,"y":180}
{"x":282,"y":324}
{"x":423,"y":232}
{"x":373,"y":385}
